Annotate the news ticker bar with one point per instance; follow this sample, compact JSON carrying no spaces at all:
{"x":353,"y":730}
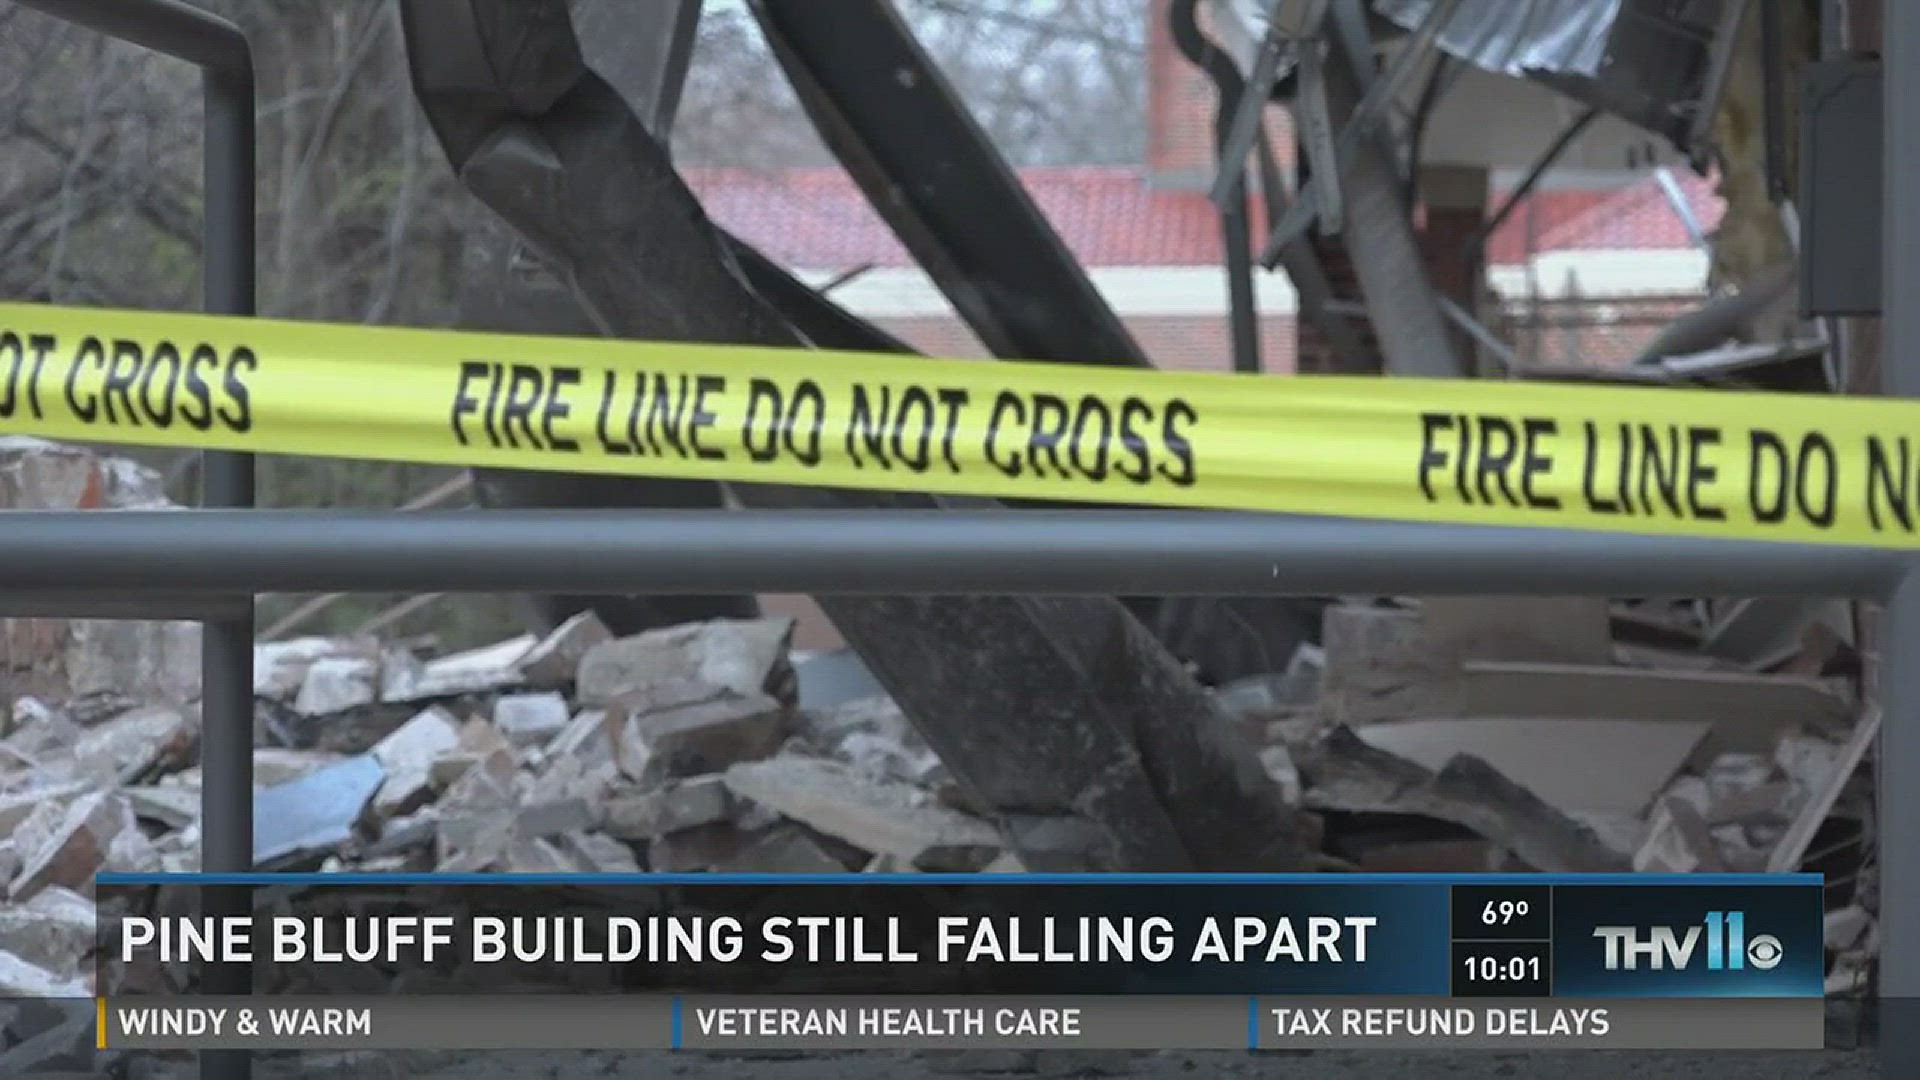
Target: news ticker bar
{"x":815,"y":1022}
{"x":1472,"y":937}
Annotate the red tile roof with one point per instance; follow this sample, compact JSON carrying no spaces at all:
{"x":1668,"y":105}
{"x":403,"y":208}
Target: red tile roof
{"x":816,"y":218}
{"x":1636,"y":216}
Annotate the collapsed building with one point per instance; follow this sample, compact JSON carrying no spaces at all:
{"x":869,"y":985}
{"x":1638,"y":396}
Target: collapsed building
{"x":1117,"y":733}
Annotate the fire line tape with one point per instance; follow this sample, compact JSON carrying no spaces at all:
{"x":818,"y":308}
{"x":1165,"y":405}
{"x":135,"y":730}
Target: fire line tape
{"x":1627,"y":459}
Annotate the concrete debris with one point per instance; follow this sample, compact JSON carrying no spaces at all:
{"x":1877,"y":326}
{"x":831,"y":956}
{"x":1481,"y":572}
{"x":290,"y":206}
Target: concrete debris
{"x":473,"y":841}
{"x":585,"y":735}
{"x":782,"y":850}
{"x":20,"y":978}
{"x":1763,"y":632}
{"x":476,"y":671}
{"x":704,"y":737}
{"x":595,"y":780}
{"x":170,"y":806}
{"x":1678,"y":842}
{"x":598,"y":853}
{"x":538,"y":856}
{"x":1277,"y":694}
{"x":272,"y":766}
{"x":527,"y":719}
{"x":76,"y":848}
{"x":64,"y":1049}
{"x":130,"y":852}
{"x":486,"y":783}
{"x":683,"y":804}
{"x":280,"y":668}
{"x":407,"y":756}
{"x":876,"y":816}
{"x":1278,"y":762}
{"x":125,"y":748}
{"x":746,"y":657}
{"x":20,"y":805}
{"x":1344,"y":775}
{"x":551,"y":662}
{"x":829,"y":679}
{"x":334,"y":684}
{"x":1384,"y":663}
{"x":701,"y":848}
{"x":53,"y":931}
{"x":1597,"y":765}
{"x":64,"y":659}
{"x":542,"y":820}
{"x":1792,"y":848}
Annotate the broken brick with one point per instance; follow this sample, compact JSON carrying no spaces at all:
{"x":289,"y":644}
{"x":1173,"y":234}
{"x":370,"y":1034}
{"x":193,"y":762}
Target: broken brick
{"x":875,"y":816}
{"x":743,"y":656}
{"x":680,"y":805}
{"x":707,"y":737}
{"x":77,"y":846}
{"x":529,"y":719}
{"x":553,"y":662}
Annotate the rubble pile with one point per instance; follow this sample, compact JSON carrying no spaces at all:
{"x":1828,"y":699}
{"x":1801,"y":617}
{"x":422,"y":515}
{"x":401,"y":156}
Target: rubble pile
{"x":1569,"y":735}
{"x":1444,"y":735}
{"x":62,"y":659}
{"x":683,"y":749}
{"x":1421,"y":735}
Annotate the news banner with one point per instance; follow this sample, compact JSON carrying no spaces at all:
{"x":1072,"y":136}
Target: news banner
{"x":956,"y":961}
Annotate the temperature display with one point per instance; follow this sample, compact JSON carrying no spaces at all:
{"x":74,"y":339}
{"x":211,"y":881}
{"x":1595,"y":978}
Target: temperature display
{"x":1502,"y":912}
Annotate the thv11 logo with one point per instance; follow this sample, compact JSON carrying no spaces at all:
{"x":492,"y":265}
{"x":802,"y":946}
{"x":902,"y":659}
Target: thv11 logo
{"x":1663,"y":947}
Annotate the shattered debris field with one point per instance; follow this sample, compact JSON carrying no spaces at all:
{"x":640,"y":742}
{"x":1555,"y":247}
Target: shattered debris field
{"x":1415,"y":735}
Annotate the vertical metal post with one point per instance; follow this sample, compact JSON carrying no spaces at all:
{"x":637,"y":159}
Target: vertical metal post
{"x":226,"y":480}
{"x":1899,"y":666}
{"x":220,"y":50}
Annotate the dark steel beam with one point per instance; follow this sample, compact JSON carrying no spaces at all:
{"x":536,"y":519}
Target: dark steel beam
{"x":1899,"y":758}
{"x":121,"y":604}
{"x":1302,"y":265}
{"x":881,"y":552}
{"x":891,"y":117}
{"x":1125,"y":762}
{"x":1534,"y":174}
{"x":644,"y":50}
{"x":177,"y":29}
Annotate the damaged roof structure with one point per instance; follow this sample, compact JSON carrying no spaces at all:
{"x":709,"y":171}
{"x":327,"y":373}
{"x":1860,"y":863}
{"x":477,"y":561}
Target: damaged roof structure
{"x":1127,"y":759}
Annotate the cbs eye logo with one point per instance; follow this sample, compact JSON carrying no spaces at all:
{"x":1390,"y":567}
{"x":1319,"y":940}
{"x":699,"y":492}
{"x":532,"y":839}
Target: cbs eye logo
{"x":1765,"y":952}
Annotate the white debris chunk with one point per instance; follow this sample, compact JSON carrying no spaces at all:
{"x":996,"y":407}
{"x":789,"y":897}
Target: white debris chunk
{"x":875,"y":816}
{"x":744,"y":656}
{"x":407,"y":754}
{"x":530,"y":719}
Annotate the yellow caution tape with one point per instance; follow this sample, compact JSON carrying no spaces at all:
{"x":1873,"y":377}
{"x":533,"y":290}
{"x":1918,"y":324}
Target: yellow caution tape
{"x":1628,"y":459}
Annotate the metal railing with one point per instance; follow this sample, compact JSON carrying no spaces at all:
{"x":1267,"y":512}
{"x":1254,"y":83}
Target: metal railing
{"x":207,"y":565}
{"x":225,"y":60}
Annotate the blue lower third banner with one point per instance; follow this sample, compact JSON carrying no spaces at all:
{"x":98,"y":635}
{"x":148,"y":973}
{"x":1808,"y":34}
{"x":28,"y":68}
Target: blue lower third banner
{"x":956,"y":961}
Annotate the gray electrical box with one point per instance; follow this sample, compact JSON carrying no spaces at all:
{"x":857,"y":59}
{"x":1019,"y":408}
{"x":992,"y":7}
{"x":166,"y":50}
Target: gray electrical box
{"x":1840,"y":175}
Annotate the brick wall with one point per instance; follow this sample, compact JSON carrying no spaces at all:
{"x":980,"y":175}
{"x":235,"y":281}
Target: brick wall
{"x":1453,"y":208}
{"x":1180,"y":110}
